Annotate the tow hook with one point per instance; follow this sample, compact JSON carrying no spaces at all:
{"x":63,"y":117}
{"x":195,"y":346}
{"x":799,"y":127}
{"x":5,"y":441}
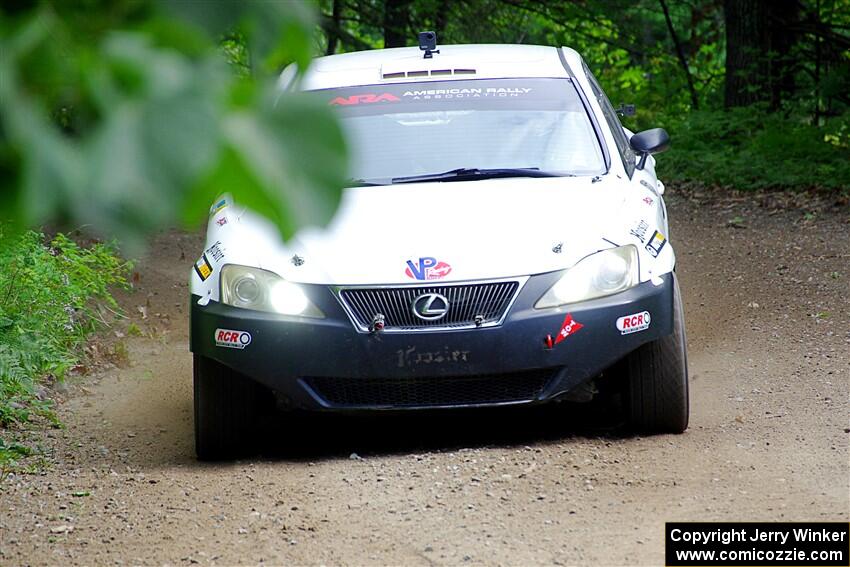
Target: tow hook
{"x":378,"y":324}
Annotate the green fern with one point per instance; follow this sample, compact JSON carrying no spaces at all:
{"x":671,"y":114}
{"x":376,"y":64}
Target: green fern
{"x":50,"y":291}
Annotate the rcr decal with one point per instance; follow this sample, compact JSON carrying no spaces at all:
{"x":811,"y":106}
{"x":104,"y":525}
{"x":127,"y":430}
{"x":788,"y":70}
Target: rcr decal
{"x":229,"y":338}
{"x":222,"y":221}
{"x":427,"y":268}
{"x":203,"y":268}
{"x":656,"y":243}
{"x":634,"y":323}
{"x":648,"y":200}
{"x":639,"y":231}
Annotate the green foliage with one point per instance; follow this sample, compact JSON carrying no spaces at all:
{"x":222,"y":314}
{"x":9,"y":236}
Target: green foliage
{"x":236,"y":53}
{"x":140,"y":122}
{"x":629,"y":47}
{"x":50,"y":294}
{"x":10,"y":454}
{"x":750,"y":148}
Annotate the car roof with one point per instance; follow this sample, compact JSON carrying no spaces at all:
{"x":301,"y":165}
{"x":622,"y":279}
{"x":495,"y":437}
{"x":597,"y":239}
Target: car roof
{"x":453,"y":62}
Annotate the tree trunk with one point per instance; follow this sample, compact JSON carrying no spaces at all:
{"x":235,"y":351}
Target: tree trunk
{"x":396,"y":18}
{"x":784,"y":16}
{"x":333,"y":31}
{"x":817,"y":65}
{"x":746,"y":42}
{"x":758,"y":44}
{"x":680,"y":53}
{"x":441,"y":18}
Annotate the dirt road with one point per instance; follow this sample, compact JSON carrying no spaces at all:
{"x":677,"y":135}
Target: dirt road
{"x":768,"y":314}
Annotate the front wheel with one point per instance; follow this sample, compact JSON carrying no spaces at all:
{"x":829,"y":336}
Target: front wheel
{"x":227,"y":405}
{"x":658,"y":400}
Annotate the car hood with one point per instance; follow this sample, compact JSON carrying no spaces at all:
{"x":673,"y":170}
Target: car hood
{"x":456,"y":231}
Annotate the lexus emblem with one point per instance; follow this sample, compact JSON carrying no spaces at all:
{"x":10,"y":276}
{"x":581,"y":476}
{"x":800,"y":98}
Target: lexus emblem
{"x":430,"y":306}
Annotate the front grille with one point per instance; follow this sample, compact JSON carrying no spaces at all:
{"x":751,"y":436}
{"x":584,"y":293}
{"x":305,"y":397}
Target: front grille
{"x":439,"y":391}
{"x":489,"y":301}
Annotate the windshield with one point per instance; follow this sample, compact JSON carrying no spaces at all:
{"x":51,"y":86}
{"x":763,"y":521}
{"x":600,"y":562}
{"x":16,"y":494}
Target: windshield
{"x":405,"y":130}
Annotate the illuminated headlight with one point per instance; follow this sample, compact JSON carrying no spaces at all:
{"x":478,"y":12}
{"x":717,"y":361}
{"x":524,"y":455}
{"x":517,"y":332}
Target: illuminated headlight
{"x":603,"y":273}
{"x":252,"y":288}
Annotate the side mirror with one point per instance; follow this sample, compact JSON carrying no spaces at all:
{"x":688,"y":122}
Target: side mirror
{"x":649,"y":142}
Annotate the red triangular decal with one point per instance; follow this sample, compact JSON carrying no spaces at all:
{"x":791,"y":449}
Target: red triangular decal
{"x":569,"y":327}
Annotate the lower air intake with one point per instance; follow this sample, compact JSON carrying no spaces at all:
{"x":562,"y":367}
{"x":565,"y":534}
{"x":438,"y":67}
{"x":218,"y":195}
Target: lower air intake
{"x":442,"y":391}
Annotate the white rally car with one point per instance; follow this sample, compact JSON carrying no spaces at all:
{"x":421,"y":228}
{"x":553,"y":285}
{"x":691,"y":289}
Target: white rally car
{"x":504,"y":241}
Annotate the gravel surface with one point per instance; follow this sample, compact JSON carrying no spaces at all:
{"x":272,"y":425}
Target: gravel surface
{"x":766,"y":292}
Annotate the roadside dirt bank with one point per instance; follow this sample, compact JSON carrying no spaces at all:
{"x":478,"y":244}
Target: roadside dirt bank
{"x":767,"y":299}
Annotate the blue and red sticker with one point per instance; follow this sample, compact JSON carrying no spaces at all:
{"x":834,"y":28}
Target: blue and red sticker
{"x":218,"y":206}
{"x":427,"y":268}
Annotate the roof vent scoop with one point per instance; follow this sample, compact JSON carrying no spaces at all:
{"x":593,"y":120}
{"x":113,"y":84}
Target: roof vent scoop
{"x":428,"y":43}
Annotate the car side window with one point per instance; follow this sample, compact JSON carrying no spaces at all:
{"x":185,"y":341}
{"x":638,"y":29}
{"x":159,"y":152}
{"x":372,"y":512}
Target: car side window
{"x":626,"y":151}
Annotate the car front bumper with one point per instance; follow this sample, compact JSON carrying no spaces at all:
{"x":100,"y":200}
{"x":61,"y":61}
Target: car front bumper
{"x":327,"y":364}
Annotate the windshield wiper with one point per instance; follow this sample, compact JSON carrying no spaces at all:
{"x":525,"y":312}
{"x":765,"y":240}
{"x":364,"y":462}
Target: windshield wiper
{"x":362,"y":183}
{"x":467,"y":173}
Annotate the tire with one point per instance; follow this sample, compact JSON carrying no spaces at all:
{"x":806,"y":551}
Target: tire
{"x":227,"y":407}
{"x":657,"y":398}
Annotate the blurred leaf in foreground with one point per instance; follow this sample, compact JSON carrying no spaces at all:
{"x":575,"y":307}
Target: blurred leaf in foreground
{"x":143,"y":125}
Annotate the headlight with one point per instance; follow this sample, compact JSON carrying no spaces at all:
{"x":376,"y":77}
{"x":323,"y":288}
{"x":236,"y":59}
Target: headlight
{"x":603,"y":273}
{"x":252,"y":288}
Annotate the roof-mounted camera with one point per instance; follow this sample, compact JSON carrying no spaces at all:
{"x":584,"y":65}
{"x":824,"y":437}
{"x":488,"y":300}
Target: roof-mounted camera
{"x":428,"y":43}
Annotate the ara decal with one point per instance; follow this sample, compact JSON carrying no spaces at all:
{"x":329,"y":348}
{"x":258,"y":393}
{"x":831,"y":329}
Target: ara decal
{"x":568,"y":328}
{"x":364,"y":99}
{"x":222,"y":221}
{"x":229,"y":338}
{"x":203,"y":268}
{"x":656,"y":243}
{"x":648,"y":200}
{"x":634,"y":323}
{"x":218,"y":206}
{"x":639,"y":231}
{"x":427,"y":268}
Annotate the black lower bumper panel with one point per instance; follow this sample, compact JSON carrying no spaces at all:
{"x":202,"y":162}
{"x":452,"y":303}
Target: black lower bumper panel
{"x":328,"y":364}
